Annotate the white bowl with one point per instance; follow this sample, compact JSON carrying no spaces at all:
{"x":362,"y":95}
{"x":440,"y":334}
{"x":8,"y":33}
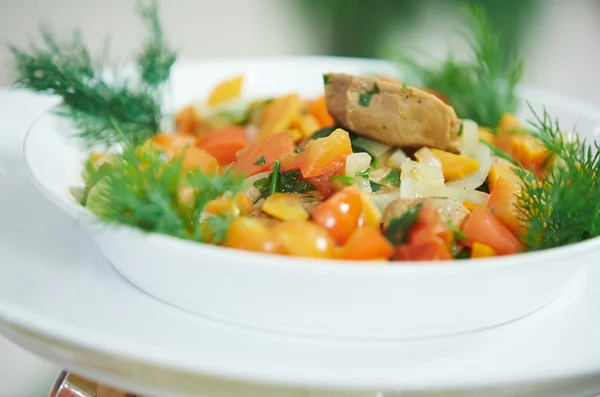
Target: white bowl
{"x":332,"y":299}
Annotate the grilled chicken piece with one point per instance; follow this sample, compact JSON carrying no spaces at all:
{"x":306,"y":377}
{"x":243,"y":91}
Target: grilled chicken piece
{"x":391,"y":113}
{"x":448,"y":209}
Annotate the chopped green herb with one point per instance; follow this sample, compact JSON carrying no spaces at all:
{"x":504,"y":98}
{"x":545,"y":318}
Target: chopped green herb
{"x":459,"y":252}
{"x":364,"y":99}
{"x":94,"y":176}
{"x":398,"y":229}
{"x":299,"y":150}
{"x":323,"y":132}
{"x":364,"y":174}
{"x":285,"y":182}
{"x":485,"y":187}
{"x":274,"y":178}
{"x":458,"y":234}
{"x":356,"y":148}
{"x":393,"y":178}
{"x":326,"y":79}
{"x":346,"y":180}
{"x":460,"y":130}
{"x":261,"y":161}
{"x":404,"y":85}
{"x":374,"y":185}
{"x":499,"y":152}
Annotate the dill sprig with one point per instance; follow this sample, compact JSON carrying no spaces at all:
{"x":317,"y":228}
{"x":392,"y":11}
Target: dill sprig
{"x":105,"y":112}
{"x":560,"y":208}
{"x":483,"y":87}
{"x":141,"y":189}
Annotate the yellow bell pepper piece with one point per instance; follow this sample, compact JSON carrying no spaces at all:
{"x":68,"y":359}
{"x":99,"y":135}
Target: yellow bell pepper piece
{"x":279,"y":115}
{"x":226,"y":91}
{"x":372,"y":213}
{"x":285,"y":206}
{"x":222,"y":206}
{"x":307,"y":124}
{"x":486,"y":135}
{"x":455,"y":166}
{"x":480,"y":250}
{"x":503,"y":169}
{"x":469,"y":205}
{"x":296,"y":134}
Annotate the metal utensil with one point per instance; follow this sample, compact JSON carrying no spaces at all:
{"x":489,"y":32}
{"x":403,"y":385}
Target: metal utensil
{"x":70,"y":385}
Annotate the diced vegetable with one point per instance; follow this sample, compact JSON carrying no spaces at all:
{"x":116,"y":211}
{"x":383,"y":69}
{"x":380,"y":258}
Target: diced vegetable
{"x":170,"y":144}
{"x":271,"y":149}
{"x":502,"y":203}
{"x":455,"y":166}
{"x":194,"y":158}
{"x":304,"y":238}
{"x":396,"y":159}
{"x":341,"y":214}
{"x":480,"y":250}
{"x":473,"y":180}
{"x":279,"y":115}
{"x":419,"y":180}
{"x":319,"y":155}
{"x":367,"y":243}
{"x":372,"y":147}
{"x":226,"y":91}
{"x":508,"y":129}
{"x":486,"y":135}
{"x":253,"y":235}
{"x":372,"y":214}
{"x":530,"y":151}
{"x":188,"y":121}
{"x":243,"y":202}
{"x":222,"y":206}
{"x":470,"y":205}
{"x":356,"y":163}
{"x":285,"y":206}
{"x":306,"y":124}
{"x":323,"y":183}
{"x":426,"y":157}
{"x":502,"y":169}
{"x":484,"y":227}
{"x":224,"y":144}
{"x":318,"y":108}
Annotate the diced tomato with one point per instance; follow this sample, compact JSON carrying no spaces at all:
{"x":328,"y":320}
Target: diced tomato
{"x":367,"y":243}
{"x":341,"y":214}
{"x":502,"y":203}
{"x":323,"y":182}
{"x":319,"y":156}
{"x":484,"y":227}
{"x":249,"y":159}
{"x":223,"y":144}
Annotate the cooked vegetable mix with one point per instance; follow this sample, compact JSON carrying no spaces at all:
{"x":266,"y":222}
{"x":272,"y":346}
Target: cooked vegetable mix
{"x":371,"y":169}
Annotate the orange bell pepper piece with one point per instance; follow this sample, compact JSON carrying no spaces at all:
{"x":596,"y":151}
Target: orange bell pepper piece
{"x":367,"y":243}
{"x":502,"y":203}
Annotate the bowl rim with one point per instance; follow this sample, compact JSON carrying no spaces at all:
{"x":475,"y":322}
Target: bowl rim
{"x":287,"y":262}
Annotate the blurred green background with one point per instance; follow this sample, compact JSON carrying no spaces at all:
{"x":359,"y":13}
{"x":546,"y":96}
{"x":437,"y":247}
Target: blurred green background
{"x":361,"y":27}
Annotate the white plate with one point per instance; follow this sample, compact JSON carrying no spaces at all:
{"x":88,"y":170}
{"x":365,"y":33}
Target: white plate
{"x":62,"y":300}
{"x":310,"y":297}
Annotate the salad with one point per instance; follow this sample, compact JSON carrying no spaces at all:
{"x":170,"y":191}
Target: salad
{"x":375,"y":168}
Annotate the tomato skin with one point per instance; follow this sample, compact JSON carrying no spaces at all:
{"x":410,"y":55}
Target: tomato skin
{"x":304,"y":239}
{"x":271,"y":149}
{"x":484,"y":227}
{"x":223,"y":144}
{"x":367,"y":243}
{"x":341,"y":214}
{"x":429,"y":239}
{"x":252,"y":235}
{"x":323,"y":182}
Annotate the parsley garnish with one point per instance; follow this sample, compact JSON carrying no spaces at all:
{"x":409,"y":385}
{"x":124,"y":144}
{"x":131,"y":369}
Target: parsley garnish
{"x":460,"y":130}
{"x":364,"y":99}
{"x":282,"y":182}
{"x":364,"y":174}
{"x":374,"y":185}
{"x":261,"y":161}
{"x":458,"y":234}
{"x":404,"y":85}
{"x":398,"y":229}
{"x":346,"y":180}
{"x":393,"y":178}
{"x":326,"y":79}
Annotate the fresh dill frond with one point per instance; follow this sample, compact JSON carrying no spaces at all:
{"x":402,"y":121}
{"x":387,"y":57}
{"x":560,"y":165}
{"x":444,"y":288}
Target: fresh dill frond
{"x":156,"y":58}
{"x":483,"y":87}
{"x":142,"y":190}
{"x":561,"y":207}
{"x":97,"y":105}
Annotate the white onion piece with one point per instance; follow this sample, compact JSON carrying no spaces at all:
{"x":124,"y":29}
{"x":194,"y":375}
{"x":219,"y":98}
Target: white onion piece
{"x":382,"y":200}
{"x":474,"y":196}
{"x":427,"y":157}
{"x":469,"y":140}
{"x":396,"y":159}
{"x":371,"y":146}
{"x":250,"y":189}
{"x":362,"y":184}
{"x":420,"y":180}
{"x":472,"y":181}
{"x":357,"y":162}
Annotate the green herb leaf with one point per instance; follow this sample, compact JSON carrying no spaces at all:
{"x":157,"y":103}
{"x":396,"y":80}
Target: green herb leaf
{"x":399,"y":228}
{"x":299,"y":150}
{"x":346,"y":180}
{"x":458,"y":234}
{"x":286,"y":182}
{"x":404,"y":85}
{"x":261,"y":161}
{"x":483,"y":87}
{"x":364,"y":174}
{"x":94,"y":176}
{"x":323,"y":132}
{"x":393,"y":178}
{"x":460,"y":130}
{"x":364,"y":99}
{"x":274,"y":178}
{"x":326,"y":79}
{"x":374,"y":186}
